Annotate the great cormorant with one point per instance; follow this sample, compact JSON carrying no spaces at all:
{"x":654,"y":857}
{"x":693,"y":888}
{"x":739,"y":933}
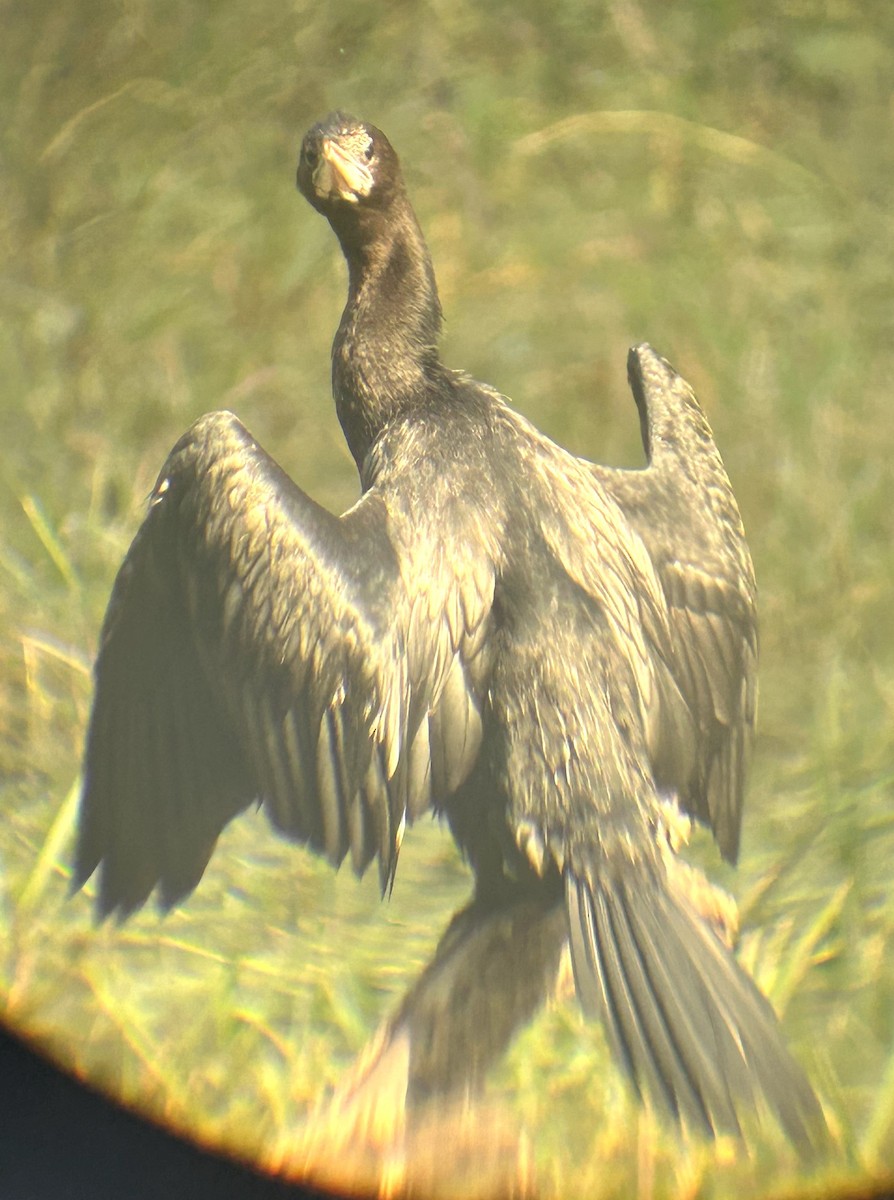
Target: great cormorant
{"x":557,"y":657}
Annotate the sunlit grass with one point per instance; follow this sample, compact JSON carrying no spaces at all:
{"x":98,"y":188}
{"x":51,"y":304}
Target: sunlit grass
{"x":675,"y":173}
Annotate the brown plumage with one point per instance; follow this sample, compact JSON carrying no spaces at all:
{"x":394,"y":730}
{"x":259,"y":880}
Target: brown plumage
{"x":558,"y":657}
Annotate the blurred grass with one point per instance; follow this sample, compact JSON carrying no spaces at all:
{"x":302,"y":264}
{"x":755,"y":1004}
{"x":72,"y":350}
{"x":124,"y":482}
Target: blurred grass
{"x":689,"y":174}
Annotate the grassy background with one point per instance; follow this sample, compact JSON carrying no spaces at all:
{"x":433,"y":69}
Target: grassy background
{"x":686,"y":174}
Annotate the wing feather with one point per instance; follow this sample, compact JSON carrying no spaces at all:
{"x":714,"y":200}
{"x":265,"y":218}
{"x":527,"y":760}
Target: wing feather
{"x":682,"y":507}
{"x":258,"y":648}
{"x":331,"y":789}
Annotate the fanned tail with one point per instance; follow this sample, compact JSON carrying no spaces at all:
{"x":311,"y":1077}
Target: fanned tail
{"x":689,"y":1025}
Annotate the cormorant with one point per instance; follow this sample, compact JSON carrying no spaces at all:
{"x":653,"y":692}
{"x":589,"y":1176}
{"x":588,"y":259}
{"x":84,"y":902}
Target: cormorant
{"x":557,"y":657}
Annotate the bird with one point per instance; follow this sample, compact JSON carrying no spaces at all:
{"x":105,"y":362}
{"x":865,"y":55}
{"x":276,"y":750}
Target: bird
{"x":556,"y":657}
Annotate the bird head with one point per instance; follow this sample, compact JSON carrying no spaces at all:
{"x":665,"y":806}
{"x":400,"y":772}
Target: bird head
{"x":347,"y":164}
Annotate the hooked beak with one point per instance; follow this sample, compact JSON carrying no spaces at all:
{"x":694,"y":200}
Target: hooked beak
{"x":340,"y":174}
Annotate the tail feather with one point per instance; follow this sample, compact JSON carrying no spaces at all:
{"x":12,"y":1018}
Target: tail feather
{"x":691,"y":1028}
{"x":656,"y":1026}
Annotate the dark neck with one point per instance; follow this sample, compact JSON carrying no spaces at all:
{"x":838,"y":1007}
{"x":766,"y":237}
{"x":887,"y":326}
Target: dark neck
{"x":384,"y":357}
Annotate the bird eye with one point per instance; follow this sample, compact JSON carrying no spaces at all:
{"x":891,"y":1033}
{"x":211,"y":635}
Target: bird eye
{"x":311,"y":156}
{"x":369,"y":152}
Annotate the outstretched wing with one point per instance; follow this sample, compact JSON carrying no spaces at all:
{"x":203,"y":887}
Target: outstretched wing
{"x":258,"y":648}
{"x":683,"y":508}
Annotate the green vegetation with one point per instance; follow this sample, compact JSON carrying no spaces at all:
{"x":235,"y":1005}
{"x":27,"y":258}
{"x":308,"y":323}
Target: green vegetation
{"x":683,"y":174}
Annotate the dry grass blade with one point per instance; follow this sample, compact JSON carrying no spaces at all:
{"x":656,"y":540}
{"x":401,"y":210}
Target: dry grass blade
{"x":728,"y":146}
{"x":876,"y":1141}
{"x":52,"y":853}
{"x":800,"y":956}
{"x":50,"y":541}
